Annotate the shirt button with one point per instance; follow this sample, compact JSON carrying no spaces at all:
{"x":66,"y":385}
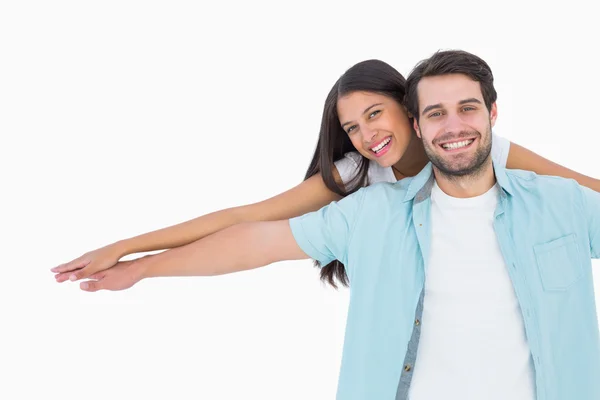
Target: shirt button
{"x":417,"y":322}
{"x":407,"y":367}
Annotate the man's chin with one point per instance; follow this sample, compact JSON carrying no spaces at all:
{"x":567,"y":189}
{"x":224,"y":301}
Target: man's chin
{"x":459,"y":164}
{"x":457,"y":169}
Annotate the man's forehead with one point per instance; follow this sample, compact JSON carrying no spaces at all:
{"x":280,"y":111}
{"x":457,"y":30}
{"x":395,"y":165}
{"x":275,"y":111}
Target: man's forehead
{"x":450,"y":88}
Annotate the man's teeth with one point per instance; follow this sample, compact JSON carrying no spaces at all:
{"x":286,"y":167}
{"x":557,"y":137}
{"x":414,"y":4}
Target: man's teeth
{"x":381,"y":145}
{"x":457,"y":145}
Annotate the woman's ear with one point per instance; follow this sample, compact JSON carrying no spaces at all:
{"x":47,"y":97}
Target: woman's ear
{"x":407,"y":112}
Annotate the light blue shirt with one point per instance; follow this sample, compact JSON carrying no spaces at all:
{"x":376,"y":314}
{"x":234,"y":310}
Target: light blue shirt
{"x":548,"y":229}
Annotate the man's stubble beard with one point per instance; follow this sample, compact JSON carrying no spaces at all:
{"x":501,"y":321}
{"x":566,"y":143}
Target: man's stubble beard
{"x":458,"y":170}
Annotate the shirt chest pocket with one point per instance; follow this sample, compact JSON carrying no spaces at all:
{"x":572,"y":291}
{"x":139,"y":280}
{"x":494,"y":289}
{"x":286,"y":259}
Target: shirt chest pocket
{"x":559,"y":262}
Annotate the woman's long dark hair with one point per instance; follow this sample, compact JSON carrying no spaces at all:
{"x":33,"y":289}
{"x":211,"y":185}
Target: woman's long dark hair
{"x":367,"y":76}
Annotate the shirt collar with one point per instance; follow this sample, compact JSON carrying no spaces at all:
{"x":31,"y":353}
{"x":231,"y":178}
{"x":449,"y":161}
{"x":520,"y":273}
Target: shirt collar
{"x":420,"y":186}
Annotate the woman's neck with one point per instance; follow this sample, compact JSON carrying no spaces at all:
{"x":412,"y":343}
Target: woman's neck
{"x":413,"y":160}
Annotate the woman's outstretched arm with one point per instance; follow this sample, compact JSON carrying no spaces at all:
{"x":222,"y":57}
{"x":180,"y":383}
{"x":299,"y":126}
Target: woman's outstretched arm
{"x":308,"y":196}
{"x":521,"y":158}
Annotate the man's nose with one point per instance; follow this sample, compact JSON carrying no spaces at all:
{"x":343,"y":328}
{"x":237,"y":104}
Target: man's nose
{"x":453,"y":123}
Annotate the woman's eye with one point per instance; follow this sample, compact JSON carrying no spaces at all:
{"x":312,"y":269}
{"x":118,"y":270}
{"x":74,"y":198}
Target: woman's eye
{"x":351,"y":129}
{"x":374,"y":113}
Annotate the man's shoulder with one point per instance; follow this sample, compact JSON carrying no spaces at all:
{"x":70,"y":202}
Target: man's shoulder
{"x":381,"y":196}
{"x":530,"y":182}
{"x":398,"y":188}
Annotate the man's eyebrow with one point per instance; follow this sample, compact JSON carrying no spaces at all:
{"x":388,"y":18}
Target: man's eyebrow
{"x":431,"y":107}
{"x":471,"y":100}
{"x":439,"y":105}
{"x":364,"y":112}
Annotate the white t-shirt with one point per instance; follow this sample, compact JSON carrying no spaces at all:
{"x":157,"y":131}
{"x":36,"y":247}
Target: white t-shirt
{"x":348,"y":166}
{"x":473,"y":344}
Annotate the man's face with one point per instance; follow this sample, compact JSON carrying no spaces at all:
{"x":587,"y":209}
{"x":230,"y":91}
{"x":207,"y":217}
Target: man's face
{"x":454,"y":123}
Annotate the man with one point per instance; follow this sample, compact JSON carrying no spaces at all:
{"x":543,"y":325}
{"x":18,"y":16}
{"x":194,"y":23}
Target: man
{"x":496,"y":262}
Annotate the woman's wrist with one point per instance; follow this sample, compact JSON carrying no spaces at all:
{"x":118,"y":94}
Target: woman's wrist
{"x":122,"y":248}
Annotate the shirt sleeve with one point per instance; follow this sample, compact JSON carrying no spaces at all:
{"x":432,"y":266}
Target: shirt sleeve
{"x":324,"y":235}
{"x":347,"y":167}
{"x":500,"y":149}
{"x":592,"y":209}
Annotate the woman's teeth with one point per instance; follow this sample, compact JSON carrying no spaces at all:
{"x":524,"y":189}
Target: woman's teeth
{"x":457,"y":145}
{"x":381,"y":145}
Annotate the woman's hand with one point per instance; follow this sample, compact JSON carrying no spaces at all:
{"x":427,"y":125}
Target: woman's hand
{"x":88,"y":264}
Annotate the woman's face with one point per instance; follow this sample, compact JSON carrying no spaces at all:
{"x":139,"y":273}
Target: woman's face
{"x":377,"y":125}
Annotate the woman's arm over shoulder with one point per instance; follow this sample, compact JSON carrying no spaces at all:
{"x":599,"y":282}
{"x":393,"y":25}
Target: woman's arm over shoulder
{"x":521,"y":158}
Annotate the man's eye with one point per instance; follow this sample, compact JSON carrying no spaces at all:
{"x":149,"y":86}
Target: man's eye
{"x":468,"y":108}
{"x":435,"y":114}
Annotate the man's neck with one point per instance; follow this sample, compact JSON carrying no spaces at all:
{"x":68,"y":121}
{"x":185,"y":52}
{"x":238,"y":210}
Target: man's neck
{"x":471,"y":185}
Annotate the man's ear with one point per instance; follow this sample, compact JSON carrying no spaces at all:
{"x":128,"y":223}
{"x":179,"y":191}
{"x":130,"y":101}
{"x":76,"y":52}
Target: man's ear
{"x":416,"y":127}
{"x":493,"y":114}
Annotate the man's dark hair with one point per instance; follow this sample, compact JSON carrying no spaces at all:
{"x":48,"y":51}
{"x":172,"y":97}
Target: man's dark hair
{"x":450,"y":62}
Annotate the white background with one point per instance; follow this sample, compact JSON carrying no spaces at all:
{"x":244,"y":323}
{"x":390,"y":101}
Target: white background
{"x":120,"y":117}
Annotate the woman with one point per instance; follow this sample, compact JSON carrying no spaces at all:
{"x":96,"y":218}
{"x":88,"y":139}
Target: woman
{"x":366,"y":137}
